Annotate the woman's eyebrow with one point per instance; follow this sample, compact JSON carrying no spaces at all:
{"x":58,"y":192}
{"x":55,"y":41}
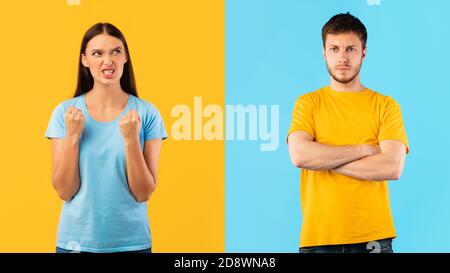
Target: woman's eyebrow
{"x":118,"y":47}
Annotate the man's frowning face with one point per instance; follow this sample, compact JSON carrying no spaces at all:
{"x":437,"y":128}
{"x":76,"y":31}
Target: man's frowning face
{"x":344,"y":55}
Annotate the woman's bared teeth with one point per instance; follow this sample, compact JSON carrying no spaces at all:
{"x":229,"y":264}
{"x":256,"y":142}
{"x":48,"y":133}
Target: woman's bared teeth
{"x":108,"y":72}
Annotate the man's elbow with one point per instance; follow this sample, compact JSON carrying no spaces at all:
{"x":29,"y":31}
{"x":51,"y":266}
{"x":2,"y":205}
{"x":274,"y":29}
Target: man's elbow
{"x":308,"y":163}
{"x":395,"y":175}
{"x":396,"y":171}
{"x":297,"y":154}
{"x":298,"y":161}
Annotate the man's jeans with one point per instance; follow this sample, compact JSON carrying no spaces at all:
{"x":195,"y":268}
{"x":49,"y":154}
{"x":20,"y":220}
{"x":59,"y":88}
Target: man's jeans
{"x":379,"y":246}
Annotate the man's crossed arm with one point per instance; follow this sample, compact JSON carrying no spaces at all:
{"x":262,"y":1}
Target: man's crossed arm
{"x":362,"y":161}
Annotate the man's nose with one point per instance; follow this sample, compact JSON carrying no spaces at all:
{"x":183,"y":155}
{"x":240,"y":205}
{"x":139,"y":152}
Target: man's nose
{"x":343,"y":59}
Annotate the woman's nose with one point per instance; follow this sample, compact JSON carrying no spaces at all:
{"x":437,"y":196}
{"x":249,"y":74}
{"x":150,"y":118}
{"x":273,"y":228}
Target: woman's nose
{"x":107,"y":59}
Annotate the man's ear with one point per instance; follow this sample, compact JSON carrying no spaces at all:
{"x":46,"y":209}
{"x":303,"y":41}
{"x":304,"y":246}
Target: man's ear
{"x":84,"y":61}
{"x":364,"y":53}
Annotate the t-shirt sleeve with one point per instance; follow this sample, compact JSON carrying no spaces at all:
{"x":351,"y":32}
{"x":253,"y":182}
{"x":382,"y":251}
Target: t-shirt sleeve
{"x":303,"y":116}
{"x":392,"y":126}
{"x":154,"y":125}
{"x":56,"y":126}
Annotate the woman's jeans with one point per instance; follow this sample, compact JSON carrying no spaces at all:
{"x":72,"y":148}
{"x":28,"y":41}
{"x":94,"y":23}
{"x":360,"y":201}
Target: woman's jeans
{"x":61,"y":250}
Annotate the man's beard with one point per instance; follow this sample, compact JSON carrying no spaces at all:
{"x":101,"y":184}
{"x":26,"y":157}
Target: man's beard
{"x":344,"y":80}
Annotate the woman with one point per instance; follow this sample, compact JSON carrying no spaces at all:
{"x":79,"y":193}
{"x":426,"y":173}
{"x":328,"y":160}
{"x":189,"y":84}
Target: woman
{"x":105,"y":151}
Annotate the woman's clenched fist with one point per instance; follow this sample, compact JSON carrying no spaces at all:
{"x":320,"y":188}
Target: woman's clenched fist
{"x":130,"y":124}
{"x":74,"y":120}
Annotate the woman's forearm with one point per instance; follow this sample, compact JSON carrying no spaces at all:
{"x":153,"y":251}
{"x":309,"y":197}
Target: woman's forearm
{"x":66,"y":176}
{"x":140,"y":180}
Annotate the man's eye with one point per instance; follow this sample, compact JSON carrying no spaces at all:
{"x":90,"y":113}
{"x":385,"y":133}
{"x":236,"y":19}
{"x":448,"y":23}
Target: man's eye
{"x":96,"y":53}
{"x":334,"y":49}
{"x":117,"y":52}
{"x":351,"y":49}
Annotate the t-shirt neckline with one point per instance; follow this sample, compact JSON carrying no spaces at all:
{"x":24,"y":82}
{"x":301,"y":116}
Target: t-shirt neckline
{"x":347,"y":94}
{"x":124,"y":111}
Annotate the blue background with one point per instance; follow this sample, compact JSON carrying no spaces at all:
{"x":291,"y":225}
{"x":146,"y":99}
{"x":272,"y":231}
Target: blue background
{"x":274,"y":54}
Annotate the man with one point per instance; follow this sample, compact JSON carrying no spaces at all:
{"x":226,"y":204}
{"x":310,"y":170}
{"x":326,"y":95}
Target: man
{"x":348,"y":140}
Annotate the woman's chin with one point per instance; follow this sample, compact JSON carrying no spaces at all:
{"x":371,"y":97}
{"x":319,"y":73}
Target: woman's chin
{"x":106,"y":81}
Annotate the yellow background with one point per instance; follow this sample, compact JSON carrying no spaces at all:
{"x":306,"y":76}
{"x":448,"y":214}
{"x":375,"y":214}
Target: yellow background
{"x":177,"y":49}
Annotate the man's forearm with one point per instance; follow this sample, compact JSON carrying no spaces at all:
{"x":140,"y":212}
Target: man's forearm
{"x":327,"y":157}
{"x":379,"y":167}
{"x":318,"y":156}
{"x":306,"y":153}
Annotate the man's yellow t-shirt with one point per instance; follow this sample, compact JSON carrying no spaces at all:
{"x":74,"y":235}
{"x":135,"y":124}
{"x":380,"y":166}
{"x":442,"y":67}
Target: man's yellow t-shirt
{"x":339,"y":209}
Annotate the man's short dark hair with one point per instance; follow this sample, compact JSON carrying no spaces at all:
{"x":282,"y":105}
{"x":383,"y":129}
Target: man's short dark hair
{"x":344,"y":23}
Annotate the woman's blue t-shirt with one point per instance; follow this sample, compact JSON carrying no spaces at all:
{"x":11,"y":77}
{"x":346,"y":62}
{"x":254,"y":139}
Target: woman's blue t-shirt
{"x":104,"y":216}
